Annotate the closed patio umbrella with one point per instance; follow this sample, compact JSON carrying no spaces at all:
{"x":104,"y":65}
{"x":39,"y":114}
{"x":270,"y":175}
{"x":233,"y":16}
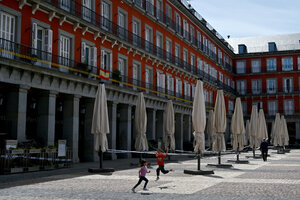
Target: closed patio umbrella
{"x":220,"y":127}
{"x":199,"y":122}
{"x":100,"y":125}
{"x":276,"y":137}
{"x":141,"y":143}
{"x":253,"y":128}
{"x":170,"y":126}
{"x":284,"y":132}
{"x":262,"y":131}
{"x":237,"y":126}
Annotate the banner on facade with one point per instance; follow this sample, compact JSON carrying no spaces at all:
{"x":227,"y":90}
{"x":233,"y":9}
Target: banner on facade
{"x":104,"y":74}
{"x":11,"y":144}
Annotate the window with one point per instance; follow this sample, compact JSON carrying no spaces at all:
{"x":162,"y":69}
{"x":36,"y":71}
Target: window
{"x":42,"y":42}
{"x":287,"y":85}
{"x":271,"y":86}
{"x":198,"y":40}
{"x":148,"y":38}
{"x":149,"y":6}
{"x":177,"y":54}
{"x":122,"y":22}
{"x":240,"y":67}
{"x":221,"y":77}
{"x":106,"y":14}
{"x":159,"y":10}
{"x":7,"y":33}
{"x":192,"y":62}
{"x":106,"y":60}
{"x":89,"y":56}
{"x":148,"y":78}
{"x":241,"y":86}
{"x":185,"y":29}
{"x":272,"y":107}
{"x":193,"y":90}
{"x":255,"y":66}
{"x":192,"y":33}
{"x":178,"y":88}
{"x":230,"y":107}
{"x":206,"y":95}
{"x":136,"y":71}
{"x":169,"y":49}
{"x":65,"y":4}
{"x":159,"y":44}
{"x":138,"y":3}
{"x":187,"y":90}
{"x":185,"y":58}
{"x":205,"y":49}
{"x":298,"y":60}
{"x":232,"y":84}
{"x":177,"y":23}
{"x":170,"y":84}
{"x":287,"y":63}
{"x":199,"y":65}
{"x":64,"y":52}
{"x":271,"y":64}
{"x":256,"y":86}
{"x":168,"y":15}
{"x":220,"y":60}
{"x":289,"y":107}
{"x":87,"y":10}
{"x":210,"y":97}
{"x":136,"y":30}
{"x":123,"y":68}
{"x":160,"y":81}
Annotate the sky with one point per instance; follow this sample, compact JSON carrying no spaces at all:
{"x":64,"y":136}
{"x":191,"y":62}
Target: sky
{"x":247,"y":18}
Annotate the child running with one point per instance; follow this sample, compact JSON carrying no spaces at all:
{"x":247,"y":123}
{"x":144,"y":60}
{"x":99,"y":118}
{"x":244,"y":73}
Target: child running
{"x":142,"y":175}
{"x":160,"y":157}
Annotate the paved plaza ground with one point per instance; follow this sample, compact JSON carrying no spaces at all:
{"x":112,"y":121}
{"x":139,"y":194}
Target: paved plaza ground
{"x":278,"y":178}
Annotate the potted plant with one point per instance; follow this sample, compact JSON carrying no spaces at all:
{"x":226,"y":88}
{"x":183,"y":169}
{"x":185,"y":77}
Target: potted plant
{"x":116,"y":75}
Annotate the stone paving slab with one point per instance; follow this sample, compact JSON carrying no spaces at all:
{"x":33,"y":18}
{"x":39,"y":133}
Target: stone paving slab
{"x":275,"y":179}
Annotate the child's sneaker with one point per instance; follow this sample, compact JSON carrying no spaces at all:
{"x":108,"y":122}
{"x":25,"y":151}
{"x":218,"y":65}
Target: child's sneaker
{"x":157,"y":178}
{"x":146,"y":189}
{"x":171,"y":170}
{"x":133,"y":190}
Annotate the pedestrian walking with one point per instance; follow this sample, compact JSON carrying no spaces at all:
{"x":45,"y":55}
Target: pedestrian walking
{"x":142,"y":175}
{"x":160,"y":158}
{"x":264,"y":149}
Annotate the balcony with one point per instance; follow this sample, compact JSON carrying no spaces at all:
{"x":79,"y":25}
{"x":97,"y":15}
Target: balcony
{"x":269,"y":91}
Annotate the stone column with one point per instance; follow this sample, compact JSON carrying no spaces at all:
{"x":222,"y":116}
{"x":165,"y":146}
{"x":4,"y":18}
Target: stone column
{"x":71,"y":123}
{"x":16,"y":112}
{"x":125,"y":129}
{"x":112,"y":136}
{"x":179,"y":131}
{"x":151,"y":123}
{"x":89,"y":151}
{"x":46,"y":117}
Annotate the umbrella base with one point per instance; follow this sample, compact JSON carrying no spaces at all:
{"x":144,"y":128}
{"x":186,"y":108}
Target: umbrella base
{"x":287,"y":150}
{"x":238,"y":161}
{"x":198,"y":172}
{"x":102,"y":170}
{"x":220,"y":165}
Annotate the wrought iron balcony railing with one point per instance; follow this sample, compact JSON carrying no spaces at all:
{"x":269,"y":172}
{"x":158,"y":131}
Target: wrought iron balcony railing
{"x":269,"y":91}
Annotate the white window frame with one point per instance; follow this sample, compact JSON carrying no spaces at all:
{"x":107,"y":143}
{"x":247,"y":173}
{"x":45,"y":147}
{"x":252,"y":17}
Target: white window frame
{"x":288,"y":106}
{"x":287,"y":63}
{"x":241,"y":67}
{"x":272,"y":107}
{"x":241,"y":86}
{"x":288,"y":89}
{"x":256,"y":86}
{"x":271,"y":88}
{"x":271,"y":64}
{"x":256,"y":66}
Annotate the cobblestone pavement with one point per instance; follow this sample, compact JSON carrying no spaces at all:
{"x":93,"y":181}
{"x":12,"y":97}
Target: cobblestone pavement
{"x":278,"y":178}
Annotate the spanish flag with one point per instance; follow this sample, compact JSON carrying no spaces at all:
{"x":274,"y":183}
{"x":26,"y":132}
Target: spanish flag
{"x":104,"y":74}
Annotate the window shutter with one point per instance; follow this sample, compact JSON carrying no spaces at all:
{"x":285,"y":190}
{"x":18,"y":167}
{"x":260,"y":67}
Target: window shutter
{"x":163,"y":82}
{"x":177,"y":86}
{"x":34,"y":38}
{"x":172,"y":84}
{"x":48,"y":41}
{"x":83,"y":60}
{"x":102,"y":59}
{"x":94,"y":56}
{"x":157,"y":79}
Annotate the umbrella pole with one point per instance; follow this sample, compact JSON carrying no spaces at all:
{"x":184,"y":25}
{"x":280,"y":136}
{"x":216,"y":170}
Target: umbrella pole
{"x":219,"y":158}
{"x":199,"y":155}
{"x":100,"y":153}
{"x":238,"y":152}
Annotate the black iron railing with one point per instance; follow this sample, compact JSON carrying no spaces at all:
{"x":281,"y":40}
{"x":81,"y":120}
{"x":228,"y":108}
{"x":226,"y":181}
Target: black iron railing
{"x":269,"y":91}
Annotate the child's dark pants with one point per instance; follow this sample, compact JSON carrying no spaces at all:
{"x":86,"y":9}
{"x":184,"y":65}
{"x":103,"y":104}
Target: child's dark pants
{"x":142,"y":178}
{"x":162,"y":169}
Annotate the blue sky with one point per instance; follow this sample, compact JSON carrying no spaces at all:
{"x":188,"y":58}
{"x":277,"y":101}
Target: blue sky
{"x":246,"y":18}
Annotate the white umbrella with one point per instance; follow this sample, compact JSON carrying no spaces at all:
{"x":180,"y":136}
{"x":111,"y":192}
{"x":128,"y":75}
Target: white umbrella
{"x":262,"y":131}
{"x":276,"y":138}
{"x":199,"y":117}
{"x":237,"y":126}
{"x":284,"y":132}
{"x":210,"y":127}
{"x":170,"y":125}
{"x":247,"y":133}
{"x":141,"y":143}
{"x":219,"y":123}
{"x":100,"y":124}
{"x":253,"y":126}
